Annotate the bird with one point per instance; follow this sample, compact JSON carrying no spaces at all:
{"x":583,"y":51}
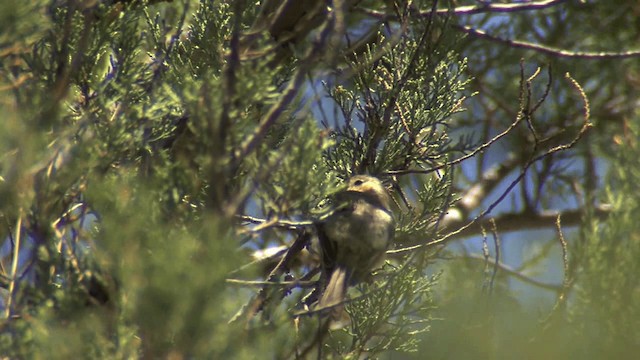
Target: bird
{"x":354,"y":239}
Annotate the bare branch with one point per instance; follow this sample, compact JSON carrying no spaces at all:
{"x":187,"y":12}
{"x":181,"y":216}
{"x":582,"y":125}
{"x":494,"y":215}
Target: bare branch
{"x":549,"y":50}
{"x":500,"y":8}
{"x":516,"y":274}
{"x":274,"y":114}
{"x":275,"y":222}
{"x":471,"y":227}
{"x":289,"y":95}
{"x":565,"y":257}
{"x":473,"y":197}
{"x":258,"y":301}
{"x":566,"y":282}
{"x":460,"y":159}
{"x":496,"y":243}
{"x":477,"y":9}
{"x":229,"y":76}
{"x":284,"y":284}
{"x":529,"y":221}
{"x":14,"y":268}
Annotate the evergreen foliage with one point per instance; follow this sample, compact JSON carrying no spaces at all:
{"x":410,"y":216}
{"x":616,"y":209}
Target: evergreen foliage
{"x":162,"y":164}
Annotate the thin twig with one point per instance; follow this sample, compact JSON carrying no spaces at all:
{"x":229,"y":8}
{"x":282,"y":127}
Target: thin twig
{"x":290,"y":93}
{"x":460,"y":159}
{"x":473,"y":9}
{"x":566,"y":281}
{"x":547,"y":90}
{"x":286,"y":224}
{"x":229,"y":79}
{"x":60,"y":227}
{"x":253,"y":283}
{"x":496,"y":244}
{"x":565,"y":257}
{"x":259,"y":300}
{"x":515,"y":273}
{"x":14,"y":268}
{"x":583,"y":95}
{"x":500,"y":8}
{"x":323,"y":329}
{"x":602,"y":55}
{"x":529,"y":220}
{"x":587,"y":125}
{"x":486,"y":255}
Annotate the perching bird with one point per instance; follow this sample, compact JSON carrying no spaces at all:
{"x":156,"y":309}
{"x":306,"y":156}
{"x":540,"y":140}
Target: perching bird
{"x":355,"y":238}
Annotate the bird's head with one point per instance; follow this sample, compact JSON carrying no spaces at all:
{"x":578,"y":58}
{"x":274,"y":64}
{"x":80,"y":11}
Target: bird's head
{"x":370,"y":189}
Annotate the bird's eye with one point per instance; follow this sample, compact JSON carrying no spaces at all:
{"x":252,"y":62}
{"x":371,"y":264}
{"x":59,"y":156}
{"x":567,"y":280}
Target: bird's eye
{"x":358,"y":182}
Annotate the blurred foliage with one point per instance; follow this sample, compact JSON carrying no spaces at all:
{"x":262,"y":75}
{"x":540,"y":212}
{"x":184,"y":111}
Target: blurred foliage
{"x":149,"y":149}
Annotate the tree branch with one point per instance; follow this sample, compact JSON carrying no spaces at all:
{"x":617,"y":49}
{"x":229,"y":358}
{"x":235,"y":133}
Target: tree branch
{"x":603,"y":55}
{"x":498,"y":8}
{"x":471,"y":9}
{"x":460,"y":159}
{"x":527,"y":221}
{"x":513,"y":272}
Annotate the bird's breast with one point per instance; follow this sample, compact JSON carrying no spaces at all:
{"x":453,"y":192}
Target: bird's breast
{"x":365,"y":227}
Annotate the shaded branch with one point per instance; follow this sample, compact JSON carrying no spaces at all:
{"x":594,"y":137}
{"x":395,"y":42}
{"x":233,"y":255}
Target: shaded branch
{"x":257,"y":302}
{"x":291,"y":92}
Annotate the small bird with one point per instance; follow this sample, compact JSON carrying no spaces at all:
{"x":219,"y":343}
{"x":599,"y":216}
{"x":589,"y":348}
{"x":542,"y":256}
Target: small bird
{"x":355,"y":238}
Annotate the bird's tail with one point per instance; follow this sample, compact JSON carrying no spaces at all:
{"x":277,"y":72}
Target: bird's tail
{"x":334,"y":293}
{"x":333,"y":298}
